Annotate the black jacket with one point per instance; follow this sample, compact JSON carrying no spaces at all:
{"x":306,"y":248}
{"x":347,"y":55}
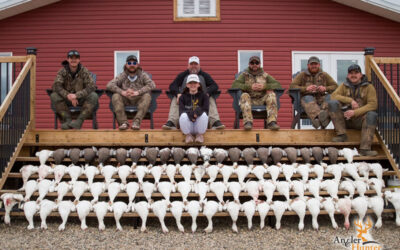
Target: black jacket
{"x":178,"y":85}
{"x":193,"y":104}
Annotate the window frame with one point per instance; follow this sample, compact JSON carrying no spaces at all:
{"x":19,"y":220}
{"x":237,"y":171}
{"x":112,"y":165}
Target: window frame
{"x":194,"y":18}
{"x":253,"y":50}
{"x":10,"y":70}
{"x":131,"y":52}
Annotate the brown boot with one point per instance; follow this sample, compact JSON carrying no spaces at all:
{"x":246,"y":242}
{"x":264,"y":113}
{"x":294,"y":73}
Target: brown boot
{"x":367,"y":152}
{"x":340,"y":138}
{"x":316,"y":123}
{"x":273,"y":126}
{"x":248,"y":126}
{"x":124,"y":126}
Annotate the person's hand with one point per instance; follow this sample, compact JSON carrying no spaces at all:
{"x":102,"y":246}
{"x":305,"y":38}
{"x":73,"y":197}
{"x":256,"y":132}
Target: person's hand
{"x":257,"y":86}
{"x":354,"y":104}
{"x":125,"y":93}
{"x":311,"y":88}
{"x":134,"y":93}
{"x":72,"y":98}
{"x":177,"y":98}
{"x":349,"y":114}
{"x":321,"y":89}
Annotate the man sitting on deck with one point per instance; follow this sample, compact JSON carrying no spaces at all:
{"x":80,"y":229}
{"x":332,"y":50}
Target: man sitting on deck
{"x":132,"y":87}
{"x":315,"y":87}
{"x":73,"y":86}
{"x":258,"y":88}
{"x":176,"y":88}
{"x":354,"y":105}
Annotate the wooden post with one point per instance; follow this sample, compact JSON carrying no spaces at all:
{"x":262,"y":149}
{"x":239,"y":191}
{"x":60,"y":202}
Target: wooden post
{"x":31,"y":52}
{"x":369,"y":55}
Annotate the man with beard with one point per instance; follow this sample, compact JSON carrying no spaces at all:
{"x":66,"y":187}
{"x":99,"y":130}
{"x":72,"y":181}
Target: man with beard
{"x":354,"y":105}
{"x":131,"y":87}
{"x":258,"y":89}
{"x":208,"y":85}
{"x":73,"y":86}
{"x":315,"y":89}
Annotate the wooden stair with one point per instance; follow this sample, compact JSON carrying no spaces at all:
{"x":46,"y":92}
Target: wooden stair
{"x":37,"y":140}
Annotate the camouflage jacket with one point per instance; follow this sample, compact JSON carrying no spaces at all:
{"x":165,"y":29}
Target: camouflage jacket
{"x":364,"y":94}
{"x":247,"y":79}
{"x":305,"y":79}
{"x":143,"y":83}
{"x":81,"y":83}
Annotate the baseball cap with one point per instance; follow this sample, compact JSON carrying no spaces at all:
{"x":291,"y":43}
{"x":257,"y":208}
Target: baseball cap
{"x":131,"y":58}
{"x":254,"y":58}
{"x":72,"y":53}
{"x":354,"y":67}
{"x":194,"y":59}
{"x":192,"y":78}
{"x":313,"y":59}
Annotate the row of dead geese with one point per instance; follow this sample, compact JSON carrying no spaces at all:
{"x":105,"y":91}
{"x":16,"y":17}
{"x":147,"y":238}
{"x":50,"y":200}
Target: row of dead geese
{"x":358,"y":171}
{"x":266,"y":155}
{"x":208,"y":208}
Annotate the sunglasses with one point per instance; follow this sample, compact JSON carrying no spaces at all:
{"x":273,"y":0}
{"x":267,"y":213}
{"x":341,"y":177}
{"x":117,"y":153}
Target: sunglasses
{"x":131,"y":63}
{"x":254,"y":62}
{"x":73,"y":53}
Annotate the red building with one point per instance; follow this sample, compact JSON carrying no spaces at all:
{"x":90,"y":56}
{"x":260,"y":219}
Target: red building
{"x":284,"y":32}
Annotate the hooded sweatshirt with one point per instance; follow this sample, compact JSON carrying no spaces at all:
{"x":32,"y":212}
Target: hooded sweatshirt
{"x":193,"y":104}
{"x":79,"y":83}
{"x":363,"y":93}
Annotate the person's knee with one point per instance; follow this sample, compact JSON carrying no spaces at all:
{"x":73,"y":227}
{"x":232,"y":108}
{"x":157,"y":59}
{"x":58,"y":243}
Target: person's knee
{"x":146,"y":97}
{"x":116,"y":97}
{"x":55,"y":97}
{"x":333,"y":105}
{"x":372,"y":118}
{"x":92,"y":98}
{"x":308,"y":98}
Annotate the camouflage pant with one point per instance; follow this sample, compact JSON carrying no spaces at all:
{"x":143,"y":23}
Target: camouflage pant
{"x":88,"y":104}
{"x":119,"y":102}
{"x":313,"y":105}
{"x":269,"y":99}
{"x":366,"y":123}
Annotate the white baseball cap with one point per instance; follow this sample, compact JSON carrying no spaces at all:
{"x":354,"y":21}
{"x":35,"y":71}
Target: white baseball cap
{"x":194,"y":59}
{"x":192,"y":78}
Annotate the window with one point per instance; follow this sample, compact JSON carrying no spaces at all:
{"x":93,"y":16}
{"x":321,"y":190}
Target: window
{"x":244,"y":56}
{"x":334,"y":63}
{"x":120,"y":60}
{"x":6,"y":77}
{"x":197,"y":10}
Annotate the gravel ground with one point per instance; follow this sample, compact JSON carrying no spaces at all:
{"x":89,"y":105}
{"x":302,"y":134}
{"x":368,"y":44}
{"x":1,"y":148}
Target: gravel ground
{"x":288,"y":237}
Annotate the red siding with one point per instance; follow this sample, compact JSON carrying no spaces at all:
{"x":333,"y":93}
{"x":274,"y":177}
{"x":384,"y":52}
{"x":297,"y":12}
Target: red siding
{"x":98,"y":28}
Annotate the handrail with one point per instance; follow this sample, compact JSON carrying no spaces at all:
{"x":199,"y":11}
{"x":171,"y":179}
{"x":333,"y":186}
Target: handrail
{"x":12,"y":59}
{"x":385,"y":82}
{"x":17,"y":84}
{"x":387,"y":59}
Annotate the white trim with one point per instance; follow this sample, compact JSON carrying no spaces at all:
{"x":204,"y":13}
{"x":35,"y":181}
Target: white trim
{"x":261,"y":57}
{"x":137,"y":52}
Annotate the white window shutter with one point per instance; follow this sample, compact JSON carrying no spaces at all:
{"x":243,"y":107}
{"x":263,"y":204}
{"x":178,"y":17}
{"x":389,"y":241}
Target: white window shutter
{"x":189,"y":7}
{"x":204,"y":7}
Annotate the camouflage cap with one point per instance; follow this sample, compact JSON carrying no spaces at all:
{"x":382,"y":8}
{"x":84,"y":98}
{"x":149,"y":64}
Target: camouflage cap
{"x":131,"y":58}
{"x":254,"y":58}
{"x":354,"y":67}
{"x":313,"y":59}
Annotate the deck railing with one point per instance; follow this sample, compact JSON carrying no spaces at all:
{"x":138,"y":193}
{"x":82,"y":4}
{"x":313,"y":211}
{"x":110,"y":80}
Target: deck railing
{"x":386,"y":83}
{"x":17,"y":108}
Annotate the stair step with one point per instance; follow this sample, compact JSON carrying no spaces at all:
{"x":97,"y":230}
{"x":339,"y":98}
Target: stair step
{"x":191,"y":194}
{"x":169,"y":214}
{"x":164,"y":176}
{"x":380,"y":156}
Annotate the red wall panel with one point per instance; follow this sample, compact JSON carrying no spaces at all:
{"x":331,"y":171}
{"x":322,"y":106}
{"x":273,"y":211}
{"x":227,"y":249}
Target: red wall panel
{"x":98,"y":28}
